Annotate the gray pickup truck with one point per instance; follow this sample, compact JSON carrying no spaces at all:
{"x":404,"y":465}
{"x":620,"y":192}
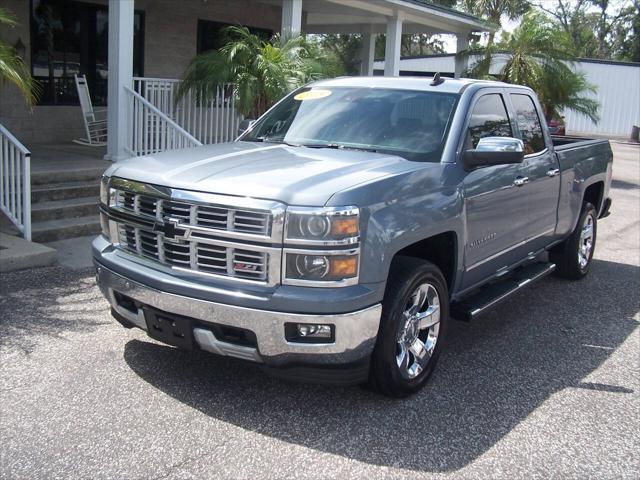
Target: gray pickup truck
{"x":334,"y":240}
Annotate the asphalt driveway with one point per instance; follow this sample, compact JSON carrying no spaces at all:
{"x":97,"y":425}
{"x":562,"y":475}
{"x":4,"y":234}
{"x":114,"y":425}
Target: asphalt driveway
{"x":547,"y":386}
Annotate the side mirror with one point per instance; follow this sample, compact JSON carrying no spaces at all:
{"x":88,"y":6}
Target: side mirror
{"x":245,"y":125}
{"x":495,"y":151}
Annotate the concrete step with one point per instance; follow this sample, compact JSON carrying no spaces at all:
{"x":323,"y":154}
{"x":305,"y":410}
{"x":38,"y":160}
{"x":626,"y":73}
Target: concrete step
{"x":86,"y":174}
{"x":59,"y":229}
{"x":69,"y":208}
{"x":64,"y":191}
{"x":18,"y":254}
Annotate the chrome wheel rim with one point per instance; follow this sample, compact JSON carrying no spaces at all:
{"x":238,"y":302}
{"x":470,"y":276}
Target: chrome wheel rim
{"x":586,"y":242}
{"x":418,"y":332}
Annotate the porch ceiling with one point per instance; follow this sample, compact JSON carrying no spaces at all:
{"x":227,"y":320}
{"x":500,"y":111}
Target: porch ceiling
{"x":364,"y":16}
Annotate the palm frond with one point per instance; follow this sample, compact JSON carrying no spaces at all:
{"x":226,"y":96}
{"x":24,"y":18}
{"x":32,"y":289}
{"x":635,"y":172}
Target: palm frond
{"x":262,"y":72}
{"x":14,"y":71}
{"x":7,"y":18}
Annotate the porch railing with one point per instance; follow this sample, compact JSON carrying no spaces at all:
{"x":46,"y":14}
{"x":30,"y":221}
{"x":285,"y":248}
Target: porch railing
{"x":15,"y":181}
{"x":152,"y":131}
{"x":210,"y":121}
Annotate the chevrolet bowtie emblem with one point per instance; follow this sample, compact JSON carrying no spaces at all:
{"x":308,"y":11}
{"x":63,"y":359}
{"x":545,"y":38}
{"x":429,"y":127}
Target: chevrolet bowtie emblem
{"x":170,"y":228}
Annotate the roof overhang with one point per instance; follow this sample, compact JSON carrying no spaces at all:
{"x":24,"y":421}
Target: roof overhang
{"x":370,"y":16}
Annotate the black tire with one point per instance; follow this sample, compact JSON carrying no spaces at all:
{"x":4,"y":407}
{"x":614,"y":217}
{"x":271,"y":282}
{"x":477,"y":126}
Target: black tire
{"x":565,"y":255}
{"x":407,"y":274}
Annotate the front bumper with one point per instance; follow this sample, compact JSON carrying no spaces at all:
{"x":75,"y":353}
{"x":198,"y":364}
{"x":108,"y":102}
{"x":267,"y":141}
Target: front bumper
{"x":355,"y":332}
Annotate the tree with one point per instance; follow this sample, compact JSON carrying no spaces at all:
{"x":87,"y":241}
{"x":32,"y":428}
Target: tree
{"x":345,"y":50}
{"x":12,"y":67}
{"x":626,"y":35}
{"x":495,"y":10}
{"x":540,"y":56}
{"x":598,"y":28}
{"x":573,"y":18}
{"x":262,"y":71}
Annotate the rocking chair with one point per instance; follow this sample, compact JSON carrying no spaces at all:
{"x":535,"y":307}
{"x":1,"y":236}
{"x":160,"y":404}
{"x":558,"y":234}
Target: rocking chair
{"x":96,"y":129}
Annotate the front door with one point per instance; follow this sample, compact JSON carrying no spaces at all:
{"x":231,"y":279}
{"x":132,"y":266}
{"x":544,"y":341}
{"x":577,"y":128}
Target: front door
{"x":496,"y":205}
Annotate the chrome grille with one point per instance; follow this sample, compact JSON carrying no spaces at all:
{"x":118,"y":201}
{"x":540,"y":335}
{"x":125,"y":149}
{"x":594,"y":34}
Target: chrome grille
{"x":178,"y":210}
{"x":203,"y":257}
{"x":202,"y":249}
{"x":208,"y":216}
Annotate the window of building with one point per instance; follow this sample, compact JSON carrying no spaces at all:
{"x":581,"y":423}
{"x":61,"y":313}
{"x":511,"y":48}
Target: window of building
{"x":528,"y":123}
{"x":69,"y":38}
{"x":211,"y":34}
{"x":489,"y":119}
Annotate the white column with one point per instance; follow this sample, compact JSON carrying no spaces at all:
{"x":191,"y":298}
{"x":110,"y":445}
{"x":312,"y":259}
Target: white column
{"x":367,"y":53}
{"x":120,"y":75}
{"x":462,"y":44}
{"x":392,"y":47}
{"x":291,"y":18}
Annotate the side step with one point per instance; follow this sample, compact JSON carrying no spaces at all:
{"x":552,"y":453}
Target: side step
{"x":489,"y":296}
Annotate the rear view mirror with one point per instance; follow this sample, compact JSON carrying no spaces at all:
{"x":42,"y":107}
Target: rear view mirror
{"x":245,"y":125}
{"x":495,"y":151}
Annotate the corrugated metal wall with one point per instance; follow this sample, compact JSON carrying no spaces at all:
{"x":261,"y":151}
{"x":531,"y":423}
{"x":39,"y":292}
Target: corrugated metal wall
{"x":619,"y":97}
{"x":617,"y":83}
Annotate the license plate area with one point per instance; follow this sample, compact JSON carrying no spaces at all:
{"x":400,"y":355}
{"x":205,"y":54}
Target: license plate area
{"x":170,"y":329}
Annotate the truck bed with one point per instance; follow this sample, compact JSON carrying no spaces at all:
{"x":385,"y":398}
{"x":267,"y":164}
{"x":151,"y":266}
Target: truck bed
{"x":561,"y":142}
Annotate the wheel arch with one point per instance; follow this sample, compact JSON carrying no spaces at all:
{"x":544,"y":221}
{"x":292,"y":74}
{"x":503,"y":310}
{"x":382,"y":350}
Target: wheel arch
{"x":440,"y":249}
{"x":594,"y":194}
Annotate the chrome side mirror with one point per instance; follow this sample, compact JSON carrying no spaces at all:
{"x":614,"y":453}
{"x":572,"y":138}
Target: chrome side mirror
{"x":495,"y":151}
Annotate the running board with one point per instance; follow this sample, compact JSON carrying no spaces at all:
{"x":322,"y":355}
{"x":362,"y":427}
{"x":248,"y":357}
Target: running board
{"x":491,"y":295}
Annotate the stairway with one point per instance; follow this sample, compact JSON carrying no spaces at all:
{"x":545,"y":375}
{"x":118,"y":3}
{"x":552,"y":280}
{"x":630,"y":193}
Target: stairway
{"x":64,"y":203}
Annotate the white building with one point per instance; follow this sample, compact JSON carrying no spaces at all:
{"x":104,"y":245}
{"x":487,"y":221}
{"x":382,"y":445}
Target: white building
{"x":617,"y":84}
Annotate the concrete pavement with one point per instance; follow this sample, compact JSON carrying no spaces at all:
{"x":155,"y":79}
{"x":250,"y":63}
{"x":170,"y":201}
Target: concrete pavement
{"x":545,"y":387}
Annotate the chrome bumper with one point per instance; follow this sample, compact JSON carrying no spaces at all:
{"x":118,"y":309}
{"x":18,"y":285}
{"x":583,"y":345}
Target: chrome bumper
{"x":355,"y":332}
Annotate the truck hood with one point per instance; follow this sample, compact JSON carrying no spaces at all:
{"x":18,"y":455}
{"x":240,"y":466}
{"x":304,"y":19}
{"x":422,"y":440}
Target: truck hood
{"x":293,"y":175}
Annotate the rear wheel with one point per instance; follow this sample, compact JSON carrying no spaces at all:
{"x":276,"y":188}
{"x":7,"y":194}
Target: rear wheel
{"x":573,"y":256}
{"x":415,"y":311}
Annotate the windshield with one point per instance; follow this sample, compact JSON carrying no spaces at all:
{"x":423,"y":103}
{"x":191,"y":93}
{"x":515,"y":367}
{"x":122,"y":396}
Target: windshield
{"x":411,"y":124}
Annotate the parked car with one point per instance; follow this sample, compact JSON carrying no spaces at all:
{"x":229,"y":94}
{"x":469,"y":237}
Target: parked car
{"x":556,"y":126}
{"x":334,"y":240}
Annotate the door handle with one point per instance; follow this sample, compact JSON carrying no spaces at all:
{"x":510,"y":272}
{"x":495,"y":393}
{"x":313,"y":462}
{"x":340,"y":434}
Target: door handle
{"x":553,"y":172}
{"x":520,"y":181}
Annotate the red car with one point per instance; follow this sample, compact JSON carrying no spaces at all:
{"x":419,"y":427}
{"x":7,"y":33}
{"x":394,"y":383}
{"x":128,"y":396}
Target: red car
{"x":556,"y":126}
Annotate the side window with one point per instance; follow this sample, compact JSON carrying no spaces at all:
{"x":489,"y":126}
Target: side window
{"x":528,"y":123}
{"x":489,"y":119}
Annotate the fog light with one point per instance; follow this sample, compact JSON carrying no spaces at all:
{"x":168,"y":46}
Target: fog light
{"x":309,"y":333}
{"x":309,"y":330}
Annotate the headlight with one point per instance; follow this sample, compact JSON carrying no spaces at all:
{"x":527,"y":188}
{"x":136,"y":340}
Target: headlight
{"x":104,"y":190}
{"x":321,"y":268}
{"x":107,"y":193}
{"x":322,"y":226}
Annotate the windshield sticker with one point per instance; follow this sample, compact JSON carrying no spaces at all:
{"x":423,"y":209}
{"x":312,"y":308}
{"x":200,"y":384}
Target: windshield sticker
{"x":312,"y":95}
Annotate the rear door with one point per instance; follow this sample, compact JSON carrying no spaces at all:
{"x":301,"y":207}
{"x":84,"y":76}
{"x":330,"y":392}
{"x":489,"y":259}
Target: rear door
{"x":540,"y":171}
{"x":496,"y":209}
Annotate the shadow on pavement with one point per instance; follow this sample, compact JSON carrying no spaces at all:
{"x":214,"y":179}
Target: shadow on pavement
{"x":494,"y":374}
{"x":48,"y":302}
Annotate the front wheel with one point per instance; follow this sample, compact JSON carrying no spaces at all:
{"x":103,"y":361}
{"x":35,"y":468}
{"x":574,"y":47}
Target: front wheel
{"x":573,"y":256}
{"x":415,"y":311}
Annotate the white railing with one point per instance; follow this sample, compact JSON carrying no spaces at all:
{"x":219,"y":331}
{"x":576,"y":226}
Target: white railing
{"x":152,"y":131}
{"x":210,"y":121}
{"x":15,"y":182}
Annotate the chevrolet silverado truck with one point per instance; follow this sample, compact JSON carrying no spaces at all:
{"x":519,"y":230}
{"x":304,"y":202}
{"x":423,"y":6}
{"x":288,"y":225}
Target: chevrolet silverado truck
{"x":337,"y":236}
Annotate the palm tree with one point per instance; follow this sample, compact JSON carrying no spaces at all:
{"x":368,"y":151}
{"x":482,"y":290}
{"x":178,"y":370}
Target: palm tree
{"x":494,"y":10}
{"x":261,"y":71}
{"x":540,"y":56}
{"x":12,"y":67}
